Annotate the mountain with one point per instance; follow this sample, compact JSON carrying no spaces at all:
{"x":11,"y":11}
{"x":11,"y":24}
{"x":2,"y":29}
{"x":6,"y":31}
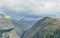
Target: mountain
{"x":23,"y":25}
{"x":6,"y":23}
{"x":45,"y":28}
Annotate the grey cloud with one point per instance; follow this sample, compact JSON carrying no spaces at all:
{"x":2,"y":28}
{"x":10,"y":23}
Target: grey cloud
{"x":30,"y":7}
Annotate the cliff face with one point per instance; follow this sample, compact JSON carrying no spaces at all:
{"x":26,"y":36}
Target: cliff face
{"x":6,"y":23}
{"x":44,"y":28}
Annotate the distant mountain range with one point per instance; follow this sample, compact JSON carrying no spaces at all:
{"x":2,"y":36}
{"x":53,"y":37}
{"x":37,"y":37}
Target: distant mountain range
{"x":44,"y":28}
{"x":20,"y":25}
{"x":31,"y":28}
{"x":23,"y":25}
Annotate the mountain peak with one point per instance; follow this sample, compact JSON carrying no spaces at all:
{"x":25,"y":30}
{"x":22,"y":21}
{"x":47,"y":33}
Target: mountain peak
{"x":44,"y":28}
{"x":3,"y":15}
{"x":47,"y":18}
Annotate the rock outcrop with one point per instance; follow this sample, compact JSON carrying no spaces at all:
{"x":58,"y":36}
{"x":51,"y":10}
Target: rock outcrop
{"x":6,"y":23}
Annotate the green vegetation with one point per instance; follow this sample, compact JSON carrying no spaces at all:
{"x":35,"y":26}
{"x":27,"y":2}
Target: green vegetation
{"x":55,"y":34}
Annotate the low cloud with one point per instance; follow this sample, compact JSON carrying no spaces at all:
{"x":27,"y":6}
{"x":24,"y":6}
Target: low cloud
{"x":32,"y":7}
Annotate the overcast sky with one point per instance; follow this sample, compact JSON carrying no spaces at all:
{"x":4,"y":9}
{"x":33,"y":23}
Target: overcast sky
{"x":30,"y":7}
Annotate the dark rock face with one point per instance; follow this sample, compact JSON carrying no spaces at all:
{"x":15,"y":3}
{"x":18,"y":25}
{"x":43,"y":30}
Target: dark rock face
{"x":44,"y":28}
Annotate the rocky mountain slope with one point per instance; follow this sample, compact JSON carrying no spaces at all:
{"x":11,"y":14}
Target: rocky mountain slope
{"x":23,"y":25}
{"x":6,"y":23}
{"x":44,"y":28}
